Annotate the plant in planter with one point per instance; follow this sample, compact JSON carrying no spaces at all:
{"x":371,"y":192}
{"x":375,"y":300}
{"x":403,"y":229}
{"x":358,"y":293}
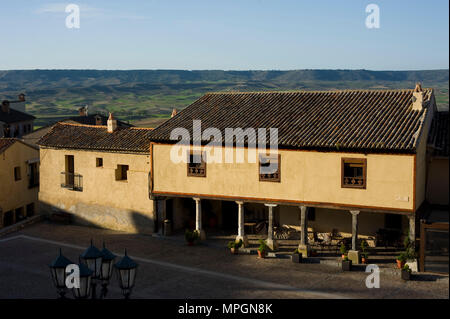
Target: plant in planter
{"x":364,"y":253}
{"x":262,"y":249}
{"x":296,"y":256}
{"x":234,"y":246}
{"x":346,"y":264}
{"x":343,"y":250}
{"x":191,"y":236}
{"x":406,"y":273}
{"x":401,"y":260}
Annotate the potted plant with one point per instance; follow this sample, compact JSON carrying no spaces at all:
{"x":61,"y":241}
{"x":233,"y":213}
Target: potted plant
{"x":406,"y":272}
{"x":234,"y":246}
{"x":401,"y":260}
{"x":343,"y":250}
{"x":364,"y":254}
{"x":296,"y":256}
{"x":346,"y":264}
{"x":191,"y":236}
{"x":262,"y":249}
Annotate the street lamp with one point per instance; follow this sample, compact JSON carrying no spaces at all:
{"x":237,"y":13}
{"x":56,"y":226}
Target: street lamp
{"x":58,"y":271}
{"x":83,"y":291}
{"x":127,"y":274}
{"x":106,"y":269}
{"x":93,"y":259}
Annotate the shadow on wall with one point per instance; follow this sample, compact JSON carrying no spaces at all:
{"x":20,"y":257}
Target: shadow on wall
{"x":101,"y":217}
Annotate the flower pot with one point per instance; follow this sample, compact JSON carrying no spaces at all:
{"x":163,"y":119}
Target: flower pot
{"x":234,"y":251}
{"x":261,"y":254}
{"x":400,"y":264}
{"x":343,"y":257}
{"x":364,"y":260}
{"x":406,"y":275}
{"x":296,"y":258}
{"x":346,"y":265}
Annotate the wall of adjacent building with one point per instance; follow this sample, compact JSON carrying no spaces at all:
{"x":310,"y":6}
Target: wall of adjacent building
{"x":16,"y":194}
{"x":104,"y":202}
{"x":438,"y":181}
{"x":306,"y":177}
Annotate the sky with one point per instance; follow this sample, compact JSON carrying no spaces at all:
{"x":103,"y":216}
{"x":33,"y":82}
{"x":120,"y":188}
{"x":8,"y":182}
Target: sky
{"x":225,"y":35}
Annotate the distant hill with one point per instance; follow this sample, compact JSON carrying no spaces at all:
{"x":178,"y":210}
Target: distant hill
{"x":137,"y":95}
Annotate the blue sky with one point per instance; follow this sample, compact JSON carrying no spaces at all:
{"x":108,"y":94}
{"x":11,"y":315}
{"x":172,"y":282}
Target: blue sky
{"x":227,"y":34}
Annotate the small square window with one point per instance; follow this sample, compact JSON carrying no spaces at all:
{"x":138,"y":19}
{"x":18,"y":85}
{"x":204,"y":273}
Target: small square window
{"x":99,"y":162}
{"x":196,"y":165}
{"x":270,"y":168}
{"x":354,"y":173}
{"x":17,"y":176}
{"x":122,"y":173}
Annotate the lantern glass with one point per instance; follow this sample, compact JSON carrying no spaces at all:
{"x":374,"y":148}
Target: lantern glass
{"x":107,"y":267}
{"x":127,"y":277}
{"x":59,"y":277}
{"x":85,"y":288}
{"x":94,"y":264}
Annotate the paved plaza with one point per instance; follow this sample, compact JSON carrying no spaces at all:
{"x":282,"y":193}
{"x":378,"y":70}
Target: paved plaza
{"x":168,"y":268}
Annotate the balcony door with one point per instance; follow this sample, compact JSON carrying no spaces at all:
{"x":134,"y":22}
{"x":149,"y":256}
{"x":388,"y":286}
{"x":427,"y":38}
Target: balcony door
{"x":70,"y":169}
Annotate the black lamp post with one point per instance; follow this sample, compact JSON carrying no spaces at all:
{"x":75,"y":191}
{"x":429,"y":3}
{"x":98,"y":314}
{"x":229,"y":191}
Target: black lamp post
{"x":106,"y":269}
{"x":58,"y":271}
{"x":84,"y":289}
{"x":127,"y":274}
{"x":93,"y":259}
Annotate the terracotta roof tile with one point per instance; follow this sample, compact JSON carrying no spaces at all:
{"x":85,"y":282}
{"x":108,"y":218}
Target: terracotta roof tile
{"x":5,"y":143}
{"x":439,"y":134}
{"x":371,"y":120}
{"x":94,"y":137}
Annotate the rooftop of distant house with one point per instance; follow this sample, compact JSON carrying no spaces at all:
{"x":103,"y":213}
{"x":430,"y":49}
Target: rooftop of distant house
{"x":439,"y":135}
{"x":9,"y":115}
{"x":344,"y":120}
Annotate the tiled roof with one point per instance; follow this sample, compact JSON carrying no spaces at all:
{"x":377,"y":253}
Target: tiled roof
{"x":5,"y":143}
{"x":439,"y":133}
{"x":95,"y":137}
{"x":372,"y":120}
{"x":14,"y":116}
{"x":90,"y":120}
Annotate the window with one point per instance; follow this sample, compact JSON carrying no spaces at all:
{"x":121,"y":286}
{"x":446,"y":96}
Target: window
{"x":69,"y":179}
{"x":270,"y":168}
{"x":354,"y":173}
{"x":99,"y":162}
{"x":196,"y":165}
{"x":17,"y":176}
{"x":122,"y":173}
{"x":33,"y":170}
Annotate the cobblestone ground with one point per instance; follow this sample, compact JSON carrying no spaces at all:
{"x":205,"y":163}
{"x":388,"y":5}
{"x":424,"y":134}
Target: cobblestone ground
{"x":168,"y":268}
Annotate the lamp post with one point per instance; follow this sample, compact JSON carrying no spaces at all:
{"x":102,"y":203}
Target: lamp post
{"x":92,"y":257}
{"x":127,"y":274}
{"x":83,"y":291}
{"x":58,"y":271}
{"x":106,"y":269}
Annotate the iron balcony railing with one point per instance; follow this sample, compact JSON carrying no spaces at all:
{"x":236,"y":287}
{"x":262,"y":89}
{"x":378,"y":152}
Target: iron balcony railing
{"x":72,"y":181}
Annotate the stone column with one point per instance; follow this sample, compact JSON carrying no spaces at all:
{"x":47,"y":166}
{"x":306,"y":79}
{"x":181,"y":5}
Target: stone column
{"x":198,"y":218}
{"x":353,"y":254}
{"x":303,"y":247}
{"x":270,"y":241}
{"x":412,"y":229}
{"x":241,"y":231}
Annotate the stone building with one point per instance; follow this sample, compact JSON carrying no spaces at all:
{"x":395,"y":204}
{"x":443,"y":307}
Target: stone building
{"x":351,"y":162}
{"x":99,"y":174}
{"x":14,"y":122}
{"x":19,"y":181}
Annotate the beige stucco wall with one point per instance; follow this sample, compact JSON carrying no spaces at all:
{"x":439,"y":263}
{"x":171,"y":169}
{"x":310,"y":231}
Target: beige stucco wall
{"x":438,"y":181}
{"x":104,"y":202}
{"x":306,"y":176}
{"x":16,"y":194}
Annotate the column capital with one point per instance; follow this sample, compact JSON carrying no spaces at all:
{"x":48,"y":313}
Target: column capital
{"x":196,"y":198}
{"x":355,"y":212}
{"x":240,"y":202}
{"x":271,"y":205}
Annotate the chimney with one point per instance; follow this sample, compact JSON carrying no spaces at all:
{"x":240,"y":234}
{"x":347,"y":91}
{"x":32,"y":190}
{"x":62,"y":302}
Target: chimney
{"x":417,"y":97}
{"x":112,"y":123}
{"x":5,"y":106}
{"x":82,"y":111}
{"x":21,"y":97}
{"x":174,"y":112}
{"x":98,"y":120}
